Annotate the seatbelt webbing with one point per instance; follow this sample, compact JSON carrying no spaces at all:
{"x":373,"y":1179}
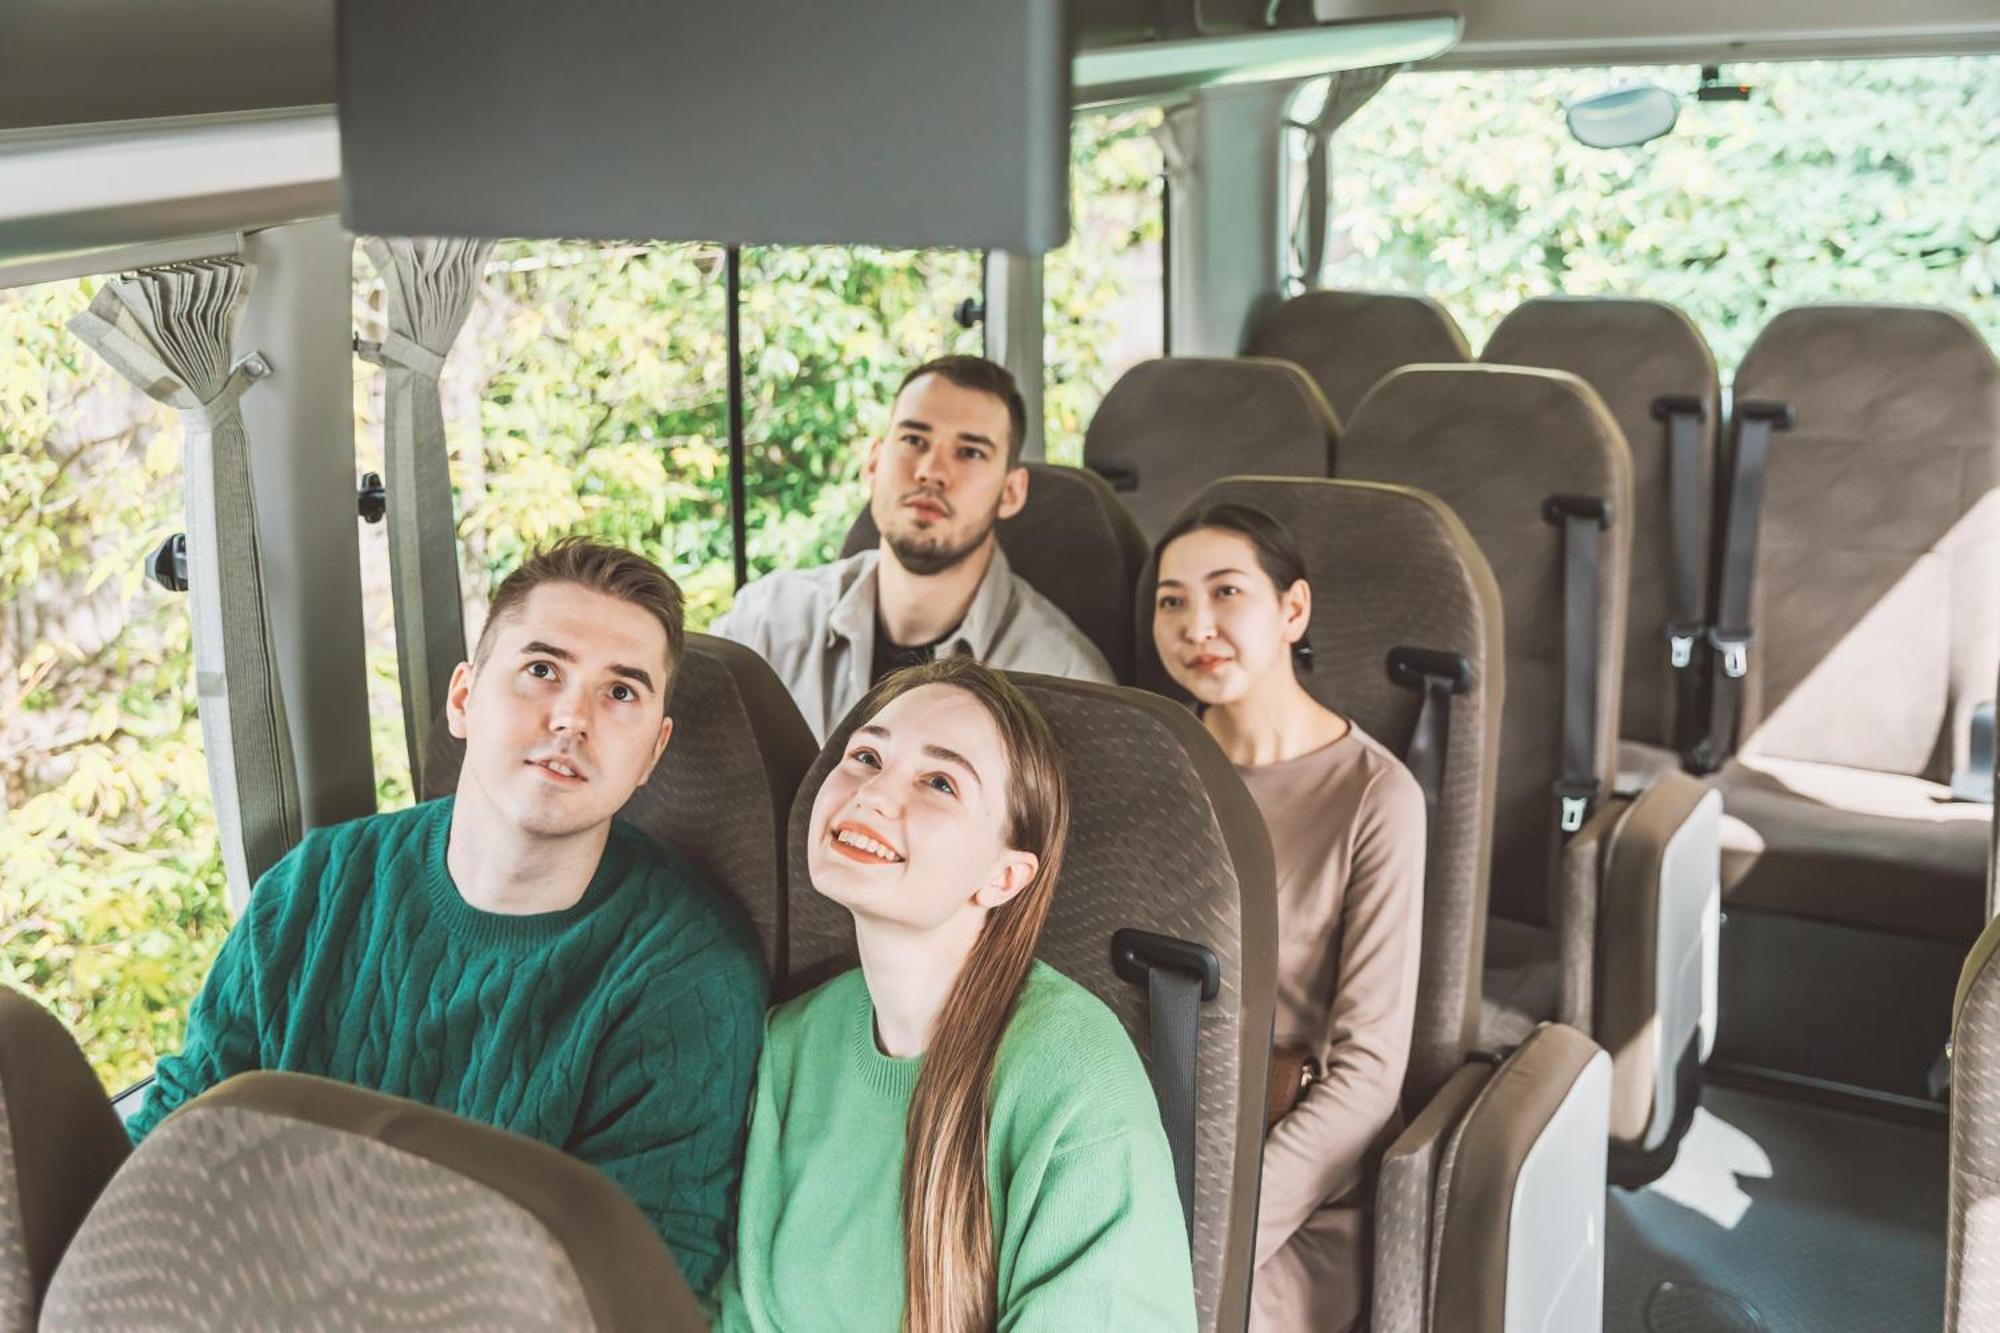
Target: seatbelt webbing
{"x":1684,"y":416}
{"x":1437,"y":676}
{"x":1582,"y":520}
{"x":1173,"y":1000}
{"x":1730,"y":635}
{"x":1180,"y":977}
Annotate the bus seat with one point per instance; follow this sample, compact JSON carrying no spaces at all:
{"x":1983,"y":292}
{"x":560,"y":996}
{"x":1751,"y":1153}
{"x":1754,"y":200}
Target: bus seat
{"x":723,"y":789}
{"x":1517,"y":1242}
{"x":1391,"y":569}
{"x":1653,"y":369}
{"x":59,"y":1143}
{"x":1347,"y":341}
{"x":1874,"y":620}
{"x":1170,"y":426}
{"x":1138,"y":764}
{"x":287,"y":1201}
{"x":1972,"y":1285}
{"x":1500,"y":445}
{"x":1075,"y":544}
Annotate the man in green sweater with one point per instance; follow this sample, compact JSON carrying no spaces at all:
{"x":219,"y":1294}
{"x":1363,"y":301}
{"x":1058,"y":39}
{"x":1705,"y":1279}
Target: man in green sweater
{"x":509,"y":953}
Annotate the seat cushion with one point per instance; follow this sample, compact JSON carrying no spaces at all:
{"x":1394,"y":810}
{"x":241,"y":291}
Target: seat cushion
{"x":1641,"y":764}
{"x":1523,"y":982}
{"x":1877,"y":850}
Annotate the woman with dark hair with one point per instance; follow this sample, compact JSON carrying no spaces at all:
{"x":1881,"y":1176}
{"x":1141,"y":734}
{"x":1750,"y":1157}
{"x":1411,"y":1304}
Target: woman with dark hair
{"x":1347,"y":823}
{"x":951,"y":1137}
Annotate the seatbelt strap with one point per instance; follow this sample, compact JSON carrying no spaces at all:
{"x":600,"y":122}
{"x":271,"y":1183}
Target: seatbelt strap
{"x":1437,"y":676}
{"x":1974,"y":782}
{"x":1684,"y":416}
{"x":1180,"y":976}
{"x":1583,"y":519}
{"x":1730,"y":635}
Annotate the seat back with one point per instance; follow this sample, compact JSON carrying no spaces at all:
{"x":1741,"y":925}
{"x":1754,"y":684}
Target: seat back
{"x":1172,"y":425}
{"x":1634,"y":354}
{"x":59,"y":1143}
{"x":1875,"y":613}
{"x":1138,"y":764}
{"x":1347,"y":341}
{"x":1517,"y":1229}
{"x":286,"y":1201}
{"x":1972,"y":1286}
{"x":1075,"y":544}
{"x":1495,"y":443}
{"x":1393,"y":568}
{"x":722,"y":791}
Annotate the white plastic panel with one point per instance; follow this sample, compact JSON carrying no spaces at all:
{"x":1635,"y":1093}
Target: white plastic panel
{"x":1555,"y":1258}
{"x":1687,"y":938}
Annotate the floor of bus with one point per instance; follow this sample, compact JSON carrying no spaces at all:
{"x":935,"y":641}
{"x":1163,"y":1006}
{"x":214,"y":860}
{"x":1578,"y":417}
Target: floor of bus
{"x":1783,"y":1217}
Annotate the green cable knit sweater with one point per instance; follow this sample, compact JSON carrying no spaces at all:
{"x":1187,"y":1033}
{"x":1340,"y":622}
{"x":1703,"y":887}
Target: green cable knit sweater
{"x":623,"y":1030}
{"x":1087,"y":1230}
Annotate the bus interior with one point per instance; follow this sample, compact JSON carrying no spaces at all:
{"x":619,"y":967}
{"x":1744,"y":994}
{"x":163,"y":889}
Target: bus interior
{"x":1690,"y":634}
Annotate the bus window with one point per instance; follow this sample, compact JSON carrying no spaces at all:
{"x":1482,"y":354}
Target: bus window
{"x":112,"y":899}
{"x":1106,"y":306}
{"x":1467,"y":185}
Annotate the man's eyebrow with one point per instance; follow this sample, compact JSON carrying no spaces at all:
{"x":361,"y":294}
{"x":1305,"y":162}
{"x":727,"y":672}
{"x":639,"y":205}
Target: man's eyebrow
{"x":536,"y":648}
{"x":974,"y":437}
{"x":911,"y":423}
{"x":954,"y":757}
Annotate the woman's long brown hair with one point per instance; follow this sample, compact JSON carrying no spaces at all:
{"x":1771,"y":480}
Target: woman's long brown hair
{"x":949,"y":1263}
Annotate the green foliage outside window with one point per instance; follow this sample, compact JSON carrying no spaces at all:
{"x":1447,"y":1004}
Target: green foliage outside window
{"x":1837,"y":181}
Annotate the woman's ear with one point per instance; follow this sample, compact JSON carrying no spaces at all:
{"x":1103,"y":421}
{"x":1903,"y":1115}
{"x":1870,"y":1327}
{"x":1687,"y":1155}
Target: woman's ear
{"x":1295,"y":605}
{"x":1015,"y":871}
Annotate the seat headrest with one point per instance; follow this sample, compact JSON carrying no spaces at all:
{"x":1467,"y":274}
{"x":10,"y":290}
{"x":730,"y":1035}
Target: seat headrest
{"x":1392,"y":568}
{"x":722,"y":791}
{"x":1178,"y":423}
{"x":53,"y":1114}
{"x":275,"y":1200}
{"x":1137,"y":765}
{"x":1347,"y":341}
{"x":1074,"y":543}
{"x":1494,"y":443}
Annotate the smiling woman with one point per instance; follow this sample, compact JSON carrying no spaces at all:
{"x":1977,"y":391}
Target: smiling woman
{"x":951,"y":1060}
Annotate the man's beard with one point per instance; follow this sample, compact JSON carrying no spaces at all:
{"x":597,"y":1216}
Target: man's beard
{"x":925,"y":555}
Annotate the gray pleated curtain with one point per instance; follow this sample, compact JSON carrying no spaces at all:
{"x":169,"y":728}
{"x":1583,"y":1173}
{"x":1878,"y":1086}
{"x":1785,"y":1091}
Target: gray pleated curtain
{"x":430,"y":283}
{"x":170,"y":332}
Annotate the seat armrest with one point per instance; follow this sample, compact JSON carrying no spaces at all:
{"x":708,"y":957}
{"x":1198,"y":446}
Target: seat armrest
{"x":1404,"y":1185}
{"x":1574,"y":911}
{"x":1656,"y":944}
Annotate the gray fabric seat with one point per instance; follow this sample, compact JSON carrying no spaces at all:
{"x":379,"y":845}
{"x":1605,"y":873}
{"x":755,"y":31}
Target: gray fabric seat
{"x":1972,"y":1284}
{"x":1075,"y":544}
{"x":1136,"y":764}
{"x":285,"y":1201}
{"x":1347,"y":341}
{"x":1635,"y":353}
{"x":1609,"y":929}
{"x":60,"y":1143}
{"x":1876,"y":620}
{"x":1170,"y":426}
{"x":722,"y":791}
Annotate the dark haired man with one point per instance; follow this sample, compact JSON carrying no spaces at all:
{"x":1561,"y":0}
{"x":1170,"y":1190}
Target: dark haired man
{"x":509,"y":953}
{"x":948,"y":470}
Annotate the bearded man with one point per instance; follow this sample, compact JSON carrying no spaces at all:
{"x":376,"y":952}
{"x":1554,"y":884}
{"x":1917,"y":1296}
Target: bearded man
{"x":946,"y":473}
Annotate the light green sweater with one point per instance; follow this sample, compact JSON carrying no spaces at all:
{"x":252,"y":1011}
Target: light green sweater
{"x":1086,"y":1220}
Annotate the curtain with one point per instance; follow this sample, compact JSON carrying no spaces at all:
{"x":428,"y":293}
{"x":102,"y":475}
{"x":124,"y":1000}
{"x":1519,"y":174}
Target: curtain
{"x":170,"y":332}
{"x":430,"y":284}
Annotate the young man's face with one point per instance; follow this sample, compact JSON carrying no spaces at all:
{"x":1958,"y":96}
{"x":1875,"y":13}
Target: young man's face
{"x":939,"y":480}
{"x":564,"y":718}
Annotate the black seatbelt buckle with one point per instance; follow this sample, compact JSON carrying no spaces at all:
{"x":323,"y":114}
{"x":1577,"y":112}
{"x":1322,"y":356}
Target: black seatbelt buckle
{"x":1413,"y":668}
{"x":1669,"y":405}
{"x":1559,"y":509}
{"x":1574,"y":801}
{"x":1734,"y":645}
{"x":1780,"y":416}
{"x":1681,"y":640}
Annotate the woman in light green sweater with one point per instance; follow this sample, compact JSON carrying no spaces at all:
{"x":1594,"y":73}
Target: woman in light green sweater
{"x":952,"y":1137}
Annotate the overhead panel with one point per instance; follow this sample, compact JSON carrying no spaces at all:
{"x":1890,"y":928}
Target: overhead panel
{"x":896,"y":122}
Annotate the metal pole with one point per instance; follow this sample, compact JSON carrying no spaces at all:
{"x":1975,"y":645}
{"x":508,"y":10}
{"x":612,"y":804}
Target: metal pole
{"x":739,"y":541}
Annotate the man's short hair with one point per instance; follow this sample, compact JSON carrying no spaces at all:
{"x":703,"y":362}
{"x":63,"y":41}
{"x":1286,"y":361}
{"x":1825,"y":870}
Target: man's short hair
{"x":602,"y":568}
{"x":981,"y":376}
